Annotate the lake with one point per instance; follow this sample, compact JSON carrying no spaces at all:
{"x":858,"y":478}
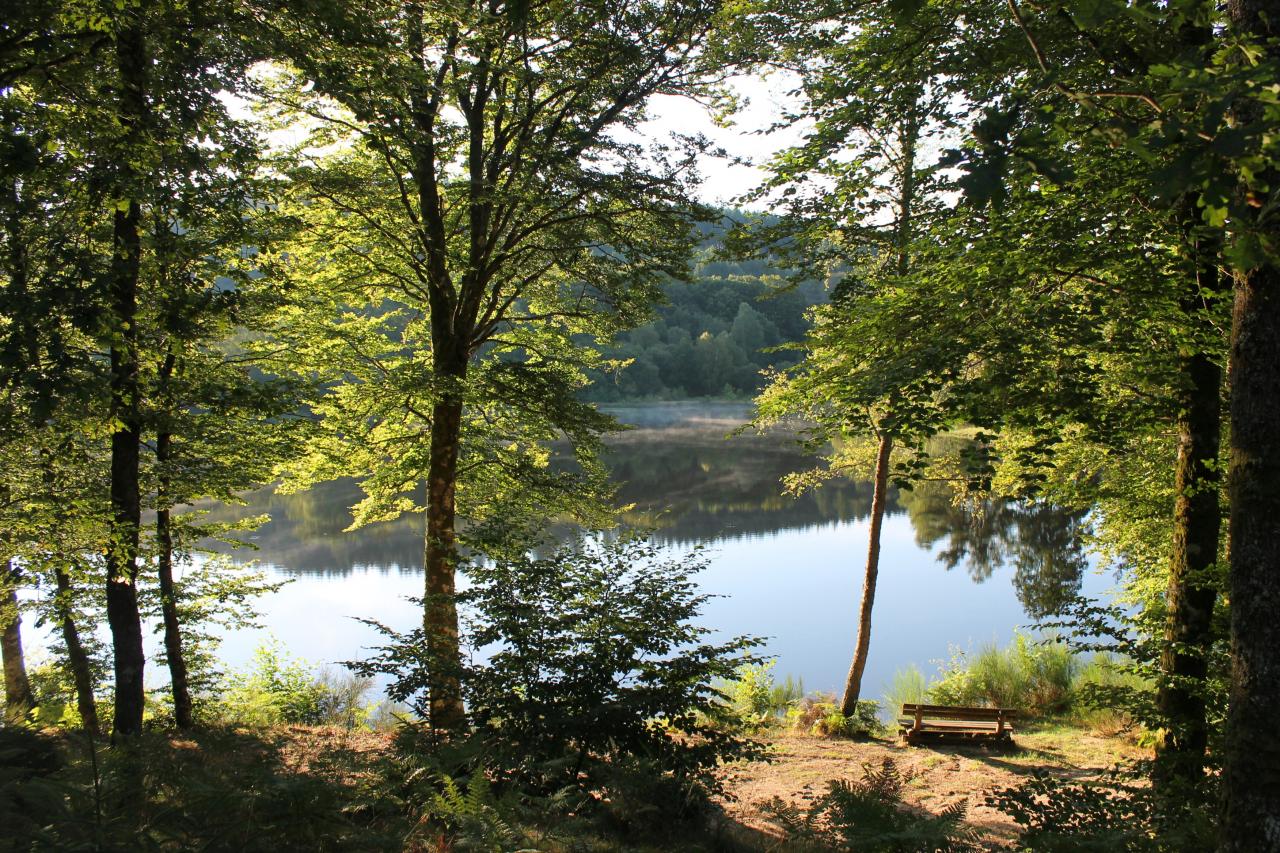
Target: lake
{"x":785,"y":568}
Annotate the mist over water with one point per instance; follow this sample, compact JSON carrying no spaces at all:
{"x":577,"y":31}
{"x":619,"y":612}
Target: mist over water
{"x":782,"y":567}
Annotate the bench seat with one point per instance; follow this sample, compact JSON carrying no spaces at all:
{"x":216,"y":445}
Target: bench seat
{"x":947,"y":722}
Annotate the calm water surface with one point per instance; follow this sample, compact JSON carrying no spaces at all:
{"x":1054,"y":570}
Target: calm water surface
{"x":787,"y":569}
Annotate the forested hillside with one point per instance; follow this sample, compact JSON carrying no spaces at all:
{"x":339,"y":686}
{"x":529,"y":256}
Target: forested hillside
{"x":714,"y":334}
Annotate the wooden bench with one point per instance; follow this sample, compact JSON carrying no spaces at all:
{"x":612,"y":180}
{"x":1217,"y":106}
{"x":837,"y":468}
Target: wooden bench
{"x":946,"y":722}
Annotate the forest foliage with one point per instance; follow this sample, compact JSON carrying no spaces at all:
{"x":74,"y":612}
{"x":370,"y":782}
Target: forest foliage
{"x":412,"y":244}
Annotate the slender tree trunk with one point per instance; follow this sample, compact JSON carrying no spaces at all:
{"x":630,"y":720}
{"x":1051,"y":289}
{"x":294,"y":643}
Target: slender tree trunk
{"x":81,"y":673}
{"x":1192,"y":589}
{"x":441,"y":613}
{"x":168,"y":598}
{"x":18,"y":698}
{"x":1251,"y":766}
{"x":909,"y":136}
{"x":853,"y":682}
{"x":126,"y":441}
{"x":25,"y":334}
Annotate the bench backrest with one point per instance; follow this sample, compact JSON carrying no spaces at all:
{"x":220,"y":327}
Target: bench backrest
{"x":951,"y":712}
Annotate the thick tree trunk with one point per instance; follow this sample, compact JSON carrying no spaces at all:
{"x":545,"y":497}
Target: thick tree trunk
{"x":1251,"y":774}
{"x":1251,"y":766}
{"x":81,"y":673}
{"x":853,"y":682}
{"x":441,"y":613}
{"x":18,"y":698}
{"x":126,"y":441}
{"x":1192,"y":589}
{"x":168,"y":598}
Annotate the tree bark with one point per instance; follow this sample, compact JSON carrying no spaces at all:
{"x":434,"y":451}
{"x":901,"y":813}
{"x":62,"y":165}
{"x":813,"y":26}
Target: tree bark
{"x":18,"y":698}
{"x":853,"y":682}
{"x":126,"y":439}
{"x":168,"y":599}
{"x":450,"y":336}
{"x":1251,"y":767}
{"x":81,"y":673}
{"x":1251,"y":774}
{"x":441,"y":612}
{"x":1192,"y":588}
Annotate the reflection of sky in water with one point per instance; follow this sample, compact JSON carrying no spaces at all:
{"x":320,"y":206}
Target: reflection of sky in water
{"x":788,"y":569}
{"x":797,"y":588}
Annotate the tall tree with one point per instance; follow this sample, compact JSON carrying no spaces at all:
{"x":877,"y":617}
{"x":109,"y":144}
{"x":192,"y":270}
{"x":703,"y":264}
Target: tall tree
{"x":1251,"y":775}
{"x":220,"y":419}
{"x":496,"y":191}
{"x":1090,"y":81}
{"x":1192,"y":591}
{"x":132,"y":64}
{"x":78,"y":662}
{"x":137,"y":123}
{"x":860,"y":196}
{"x":49,"y":230}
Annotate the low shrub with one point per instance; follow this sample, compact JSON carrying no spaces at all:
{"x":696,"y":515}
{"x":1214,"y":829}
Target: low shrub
{"x":457,"y":818}
{"x":1036,"y":676}
{"x":612,"y":671}
{"x":639,"y":796}
{"x":55,"y":695}
{"x":1094,"y":686}
{"x":755,"y":697}
{"x":211,"y":789}
{"x":342,"y":699}
{"x":279,"y":689}
{"x":27,"y":759}
{"x":909,"y":687}
{"x":820,"y":715}
{"x":1040,"y":676}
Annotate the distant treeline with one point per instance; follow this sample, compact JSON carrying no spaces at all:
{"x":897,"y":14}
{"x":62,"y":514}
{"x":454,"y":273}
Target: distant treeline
{"x":712,"y":338}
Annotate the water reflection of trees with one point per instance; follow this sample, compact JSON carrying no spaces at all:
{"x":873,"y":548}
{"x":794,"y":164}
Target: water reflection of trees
{"x":305,"y":534}
{"x":690,"y":484}
{"x":698,"y":487}
{"x":1044,"y":543}
{"x":687,"y":485}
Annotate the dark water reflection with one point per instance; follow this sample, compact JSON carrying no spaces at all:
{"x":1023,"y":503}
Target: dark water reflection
{"x":780,"y":559}
{"x":306,"y":533}
{"x":697,"y":486}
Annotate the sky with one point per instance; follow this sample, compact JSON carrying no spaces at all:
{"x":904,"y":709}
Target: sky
{"x":763,"y":102}
{"x":724,"y":181}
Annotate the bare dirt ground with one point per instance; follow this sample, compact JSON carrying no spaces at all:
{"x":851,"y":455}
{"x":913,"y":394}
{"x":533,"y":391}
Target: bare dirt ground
{"x":937,"y":776}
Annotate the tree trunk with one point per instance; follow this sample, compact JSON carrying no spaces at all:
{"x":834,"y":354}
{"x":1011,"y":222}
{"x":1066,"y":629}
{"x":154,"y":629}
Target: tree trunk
{"x":441,"y":613}
{"x":853,"y":682}
{"x":909,"y":134}
{"x":1192,"y":589}
{"x":168,"y":598}
{"x":1251,"y":767}
{"x":18,"y":698}
{"x":126,"y":440}
{"x":1251,"y":774}
{"x":81,"y":673}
